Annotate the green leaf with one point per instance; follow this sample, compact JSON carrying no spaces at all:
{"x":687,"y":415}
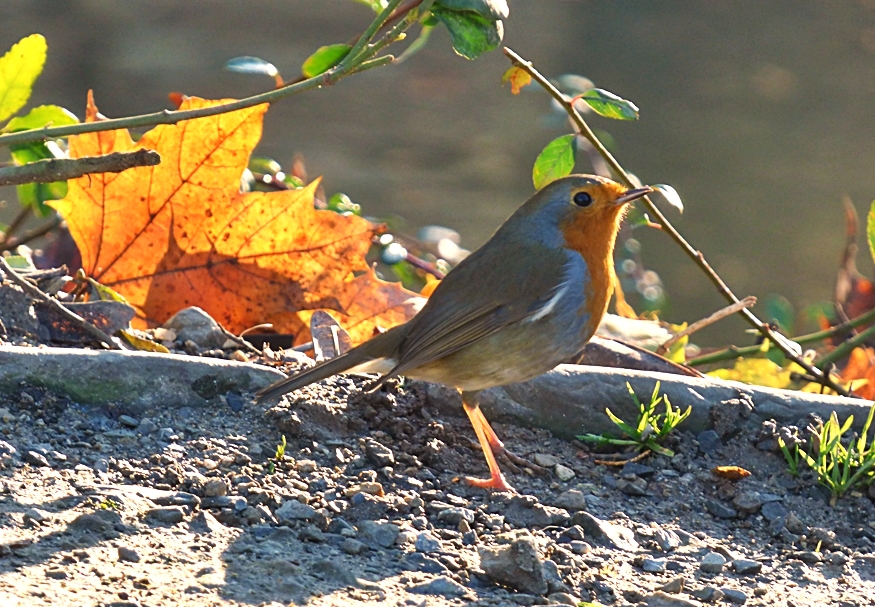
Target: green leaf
{"x":870,"y":229}
{"x":605,"y":103}
{"x":34,"y":195}
{"x":472,"y":34}
{"x":325,"y":58}
{"x":490,"y":9}
{"x":39,"y":117}
{"x":251,"y":65}
{"x":19,"y":69}
{"x":555,"y":161}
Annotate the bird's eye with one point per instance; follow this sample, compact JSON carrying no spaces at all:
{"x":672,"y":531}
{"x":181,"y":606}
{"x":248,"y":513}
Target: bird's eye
{"x":582,"y":199}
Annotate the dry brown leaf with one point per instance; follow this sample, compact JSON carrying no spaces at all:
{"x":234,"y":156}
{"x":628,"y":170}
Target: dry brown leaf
{"x":182,"y":234}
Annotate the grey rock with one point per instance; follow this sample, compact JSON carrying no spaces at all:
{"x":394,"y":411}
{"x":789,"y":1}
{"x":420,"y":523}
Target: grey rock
{"x":553,"y":577}
{"x":809,"y":556}
{"x":169,"y":515}
{"x":653,"y":565}
{"x":772,"y":511}
{"x":661,"y":599}
{"x":734,"y":596}
{"x":634,"y":486}
{"x":35,"y":458}
{"x":127,"y":420}
{"x":746,"y":566}
{"x":633,"y":469}
{"x":666,"y":539}
{"x":147,"y":426}
{"x":562,"y":598}
{"x":794,"y":524}
{"x":101,"y":465}
{"x":215,"y":487}
{"x":564,"y":473}
{"x":613,"y":536}
{"x":546,"y":460}
{"x":36,"y":515}
{"x":720,"y":510}
{"x":419,"y":562}
{"x":205,"y":523}
{"x":674,"y":585}
{"x":441,"y":586}
{"x":837,"y":558}
{"x":709,"y":441}
{"x":524,"y":513}
{"x":353,"y":546}
{"x":378,"y":454}
{"x":311,"y":533}
{"x":220,"y":501}
{"x":708,"y":594}
{"x":378,"y":535}
{"x":748,"y":502}
{"x":293,"y":510}
{"x":571,"y":500}
{"x":426,"y":542}
{"x":6,"y":449}
{"x":455,"y":515}
{"x":516,"y":565}
{"x":713,"y":562}
{"x":193,"y":324}
{"x":580,"y":547}
{"x":128,"y":555}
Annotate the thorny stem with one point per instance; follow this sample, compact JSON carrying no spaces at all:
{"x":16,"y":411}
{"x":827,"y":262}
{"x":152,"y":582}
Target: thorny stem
{"x":777,"y":338}
{"x":357,"y":61}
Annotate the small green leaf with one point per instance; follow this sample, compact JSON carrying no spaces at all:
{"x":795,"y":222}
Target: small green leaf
{"x":251,"y":65}
{"x":870,"y":229}
{"x":490,"y":9}
{"x":671,"y":196}
{"x":19,"y":69}
{"x":472,"y":34}
{"x":605,"y":103}
{"x":325,"y":58}
{"x":38,"y":117}
{"x":555,"y":161}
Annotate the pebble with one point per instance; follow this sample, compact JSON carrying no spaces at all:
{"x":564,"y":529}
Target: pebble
{"x":674,"y":585}
{"x":713,"y":562}
{"x":426,"y":542}
{"x":545,"y":460}
{"x":169,"y":515}
{"x":720,"y":510}
{"x":6,"y":449}
{"x":734,"y":596}
{"x":748,"y":502}
{"x":127,"y":420}
{"x":441,"y":586}
{"x":306,"y":466}
{"x":634,"y":486}
{"x":709,"y":594}
{"x":810,"y":557}
{"x":709,"y":441}
{"x":454,"y":515}
{"x":36,"y":515}
{"x":746,"y":566}
{"x":128,"y":555}
{"x":419,"y":562}
{"x":215,"y":487}
{"x":353,"y":547}
{"x":564,"y":473}
{"x":311,"y":533}
{"x":293,"y":510}
{"x":772,"y":511}
{"x":379,"y":454}
{"x":147,"y":426}
{"x":633,"y":469}
{"x":516,"y":565}
{"x":579,"y":547}
{"x":666,"y":539}
{"x":562,"y":598}
{"x":378,"y":535}
{"x":661,"y":599}
{"x":613,"y":536}
{"x":525,"y":513}
{"x":195,"y":325}
{"x":34,"y":458}
{"x":571,"y":500}
{"x":653,"y":565}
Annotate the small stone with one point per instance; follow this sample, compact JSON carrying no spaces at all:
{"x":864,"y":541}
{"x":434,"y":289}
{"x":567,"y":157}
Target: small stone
{"x":709,"y":441}
{"x":516,"y":565}
{"x":580,"y":547}
{"x":613,"y":536}
{"x":57,"y":574}
{"x":635,"y":469}
{"x":545,"y":460}
{"x":147,"y":426}
{"x":746,"y":566}
{"x":379,"y":454}
{"x":837,"y":558}
{"x":748,"y":502}
{"x":416,"y":561}
{"x":353,"y":547}
{"x":34,"y":458}
{"x":204,"y":523}
{"x":734,"y":596}
{"x":720,"y":510}
{"x":572,"y":500}
{"x":293,"y":510}
{"x":306,"y":466}
{"x":378,"y":535}
{"x":661,"y":599}
{"x":6,"y":450}
{"x":564,"y":473}
{"x":772,"y":511}
{"x":311,"y":533}
{"x":195,"y":325}
{"x":455,"y":515}
{"x":667,"y":539}
{"x":635,"y":486}
{"x":562,"y":598}
{"x":809,"y":556}
{"x":127,"y":420}
{"x":426,"y":542}
{"x":36,"y":515}
{"x":653,"y":565}
{"x":128,"y":555}
{"x":169,"y":515}
{"x":713,"y":562}
{"x":215,"y":487}
{"x":441,"y":586}
{"x":674,"y":585}
{"x":794,"y":524}
{"x":372,"y":488}
{"x":709,"y":594}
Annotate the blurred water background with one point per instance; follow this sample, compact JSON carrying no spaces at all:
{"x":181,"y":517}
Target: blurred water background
{"x":760,"y":114}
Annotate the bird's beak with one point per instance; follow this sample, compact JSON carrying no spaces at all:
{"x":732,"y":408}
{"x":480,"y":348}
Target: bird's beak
{"x":631,"y":195}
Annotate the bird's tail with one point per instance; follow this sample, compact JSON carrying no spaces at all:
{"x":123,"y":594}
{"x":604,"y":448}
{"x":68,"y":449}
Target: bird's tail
{"x":381,"y":346}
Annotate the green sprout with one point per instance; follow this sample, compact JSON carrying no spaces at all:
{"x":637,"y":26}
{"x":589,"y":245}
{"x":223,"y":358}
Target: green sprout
{"x":281,"y":449}
{"x":651,"y":428}
{"x":838,"y":468}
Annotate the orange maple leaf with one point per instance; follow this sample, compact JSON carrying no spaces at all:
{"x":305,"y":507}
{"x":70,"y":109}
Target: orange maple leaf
{"x":182,"y":234}
{"x":518,"y":78}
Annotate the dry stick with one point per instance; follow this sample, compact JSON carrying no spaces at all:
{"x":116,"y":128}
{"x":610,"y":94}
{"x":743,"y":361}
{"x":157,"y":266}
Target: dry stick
{"x":36,"y":293}
{"x":355,"y":65}
{"x":62,"y":169}
{"x":778,"y":339}
{"x":19,"y":219}
{"x":747,"y":302}
{"x":15,"y":242}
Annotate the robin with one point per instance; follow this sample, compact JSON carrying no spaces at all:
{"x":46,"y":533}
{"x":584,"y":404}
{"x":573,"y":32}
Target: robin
{"x":527,"y":300}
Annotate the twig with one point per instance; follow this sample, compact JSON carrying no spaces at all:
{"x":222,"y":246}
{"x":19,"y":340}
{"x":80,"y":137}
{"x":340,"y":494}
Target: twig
{"x":846,"y":347}
{"x":36,"y":293}
{"x":62,"y":169}
{"x":350,"y":65}
{"x":16,"y":223}
{"x":15,"y":242}
{"x":747,"y":302}
{"x":780,"y":340}
{"x":736,"y":352}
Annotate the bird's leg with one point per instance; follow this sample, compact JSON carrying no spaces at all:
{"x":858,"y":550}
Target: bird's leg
{"x":497,"y":446}
{"x":496,"y":480}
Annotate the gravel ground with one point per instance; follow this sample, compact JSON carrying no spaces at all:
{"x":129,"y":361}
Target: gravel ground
{"x":191,"y":506}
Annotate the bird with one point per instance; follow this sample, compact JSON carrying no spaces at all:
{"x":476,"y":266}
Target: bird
{"x":527,"y":300}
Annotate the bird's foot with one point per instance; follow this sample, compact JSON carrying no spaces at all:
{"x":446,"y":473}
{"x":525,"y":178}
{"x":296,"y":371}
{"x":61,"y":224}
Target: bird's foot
{"x":496,"y":482}
{"x":502,"y":451}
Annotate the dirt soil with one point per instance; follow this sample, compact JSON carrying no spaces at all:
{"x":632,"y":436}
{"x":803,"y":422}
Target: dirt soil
{"x":191,"y":506}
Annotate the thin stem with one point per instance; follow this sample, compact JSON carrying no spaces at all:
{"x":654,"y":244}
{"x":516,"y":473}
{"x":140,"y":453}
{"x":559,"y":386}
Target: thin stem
{"x":369,"y":34}
{"x":15,"y":242}
{"x":729,"y":310}
{"x":16,"y":223}
{"x":781,"y":341}
{"x":846,"y":347}
{"x":62,"y":169}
